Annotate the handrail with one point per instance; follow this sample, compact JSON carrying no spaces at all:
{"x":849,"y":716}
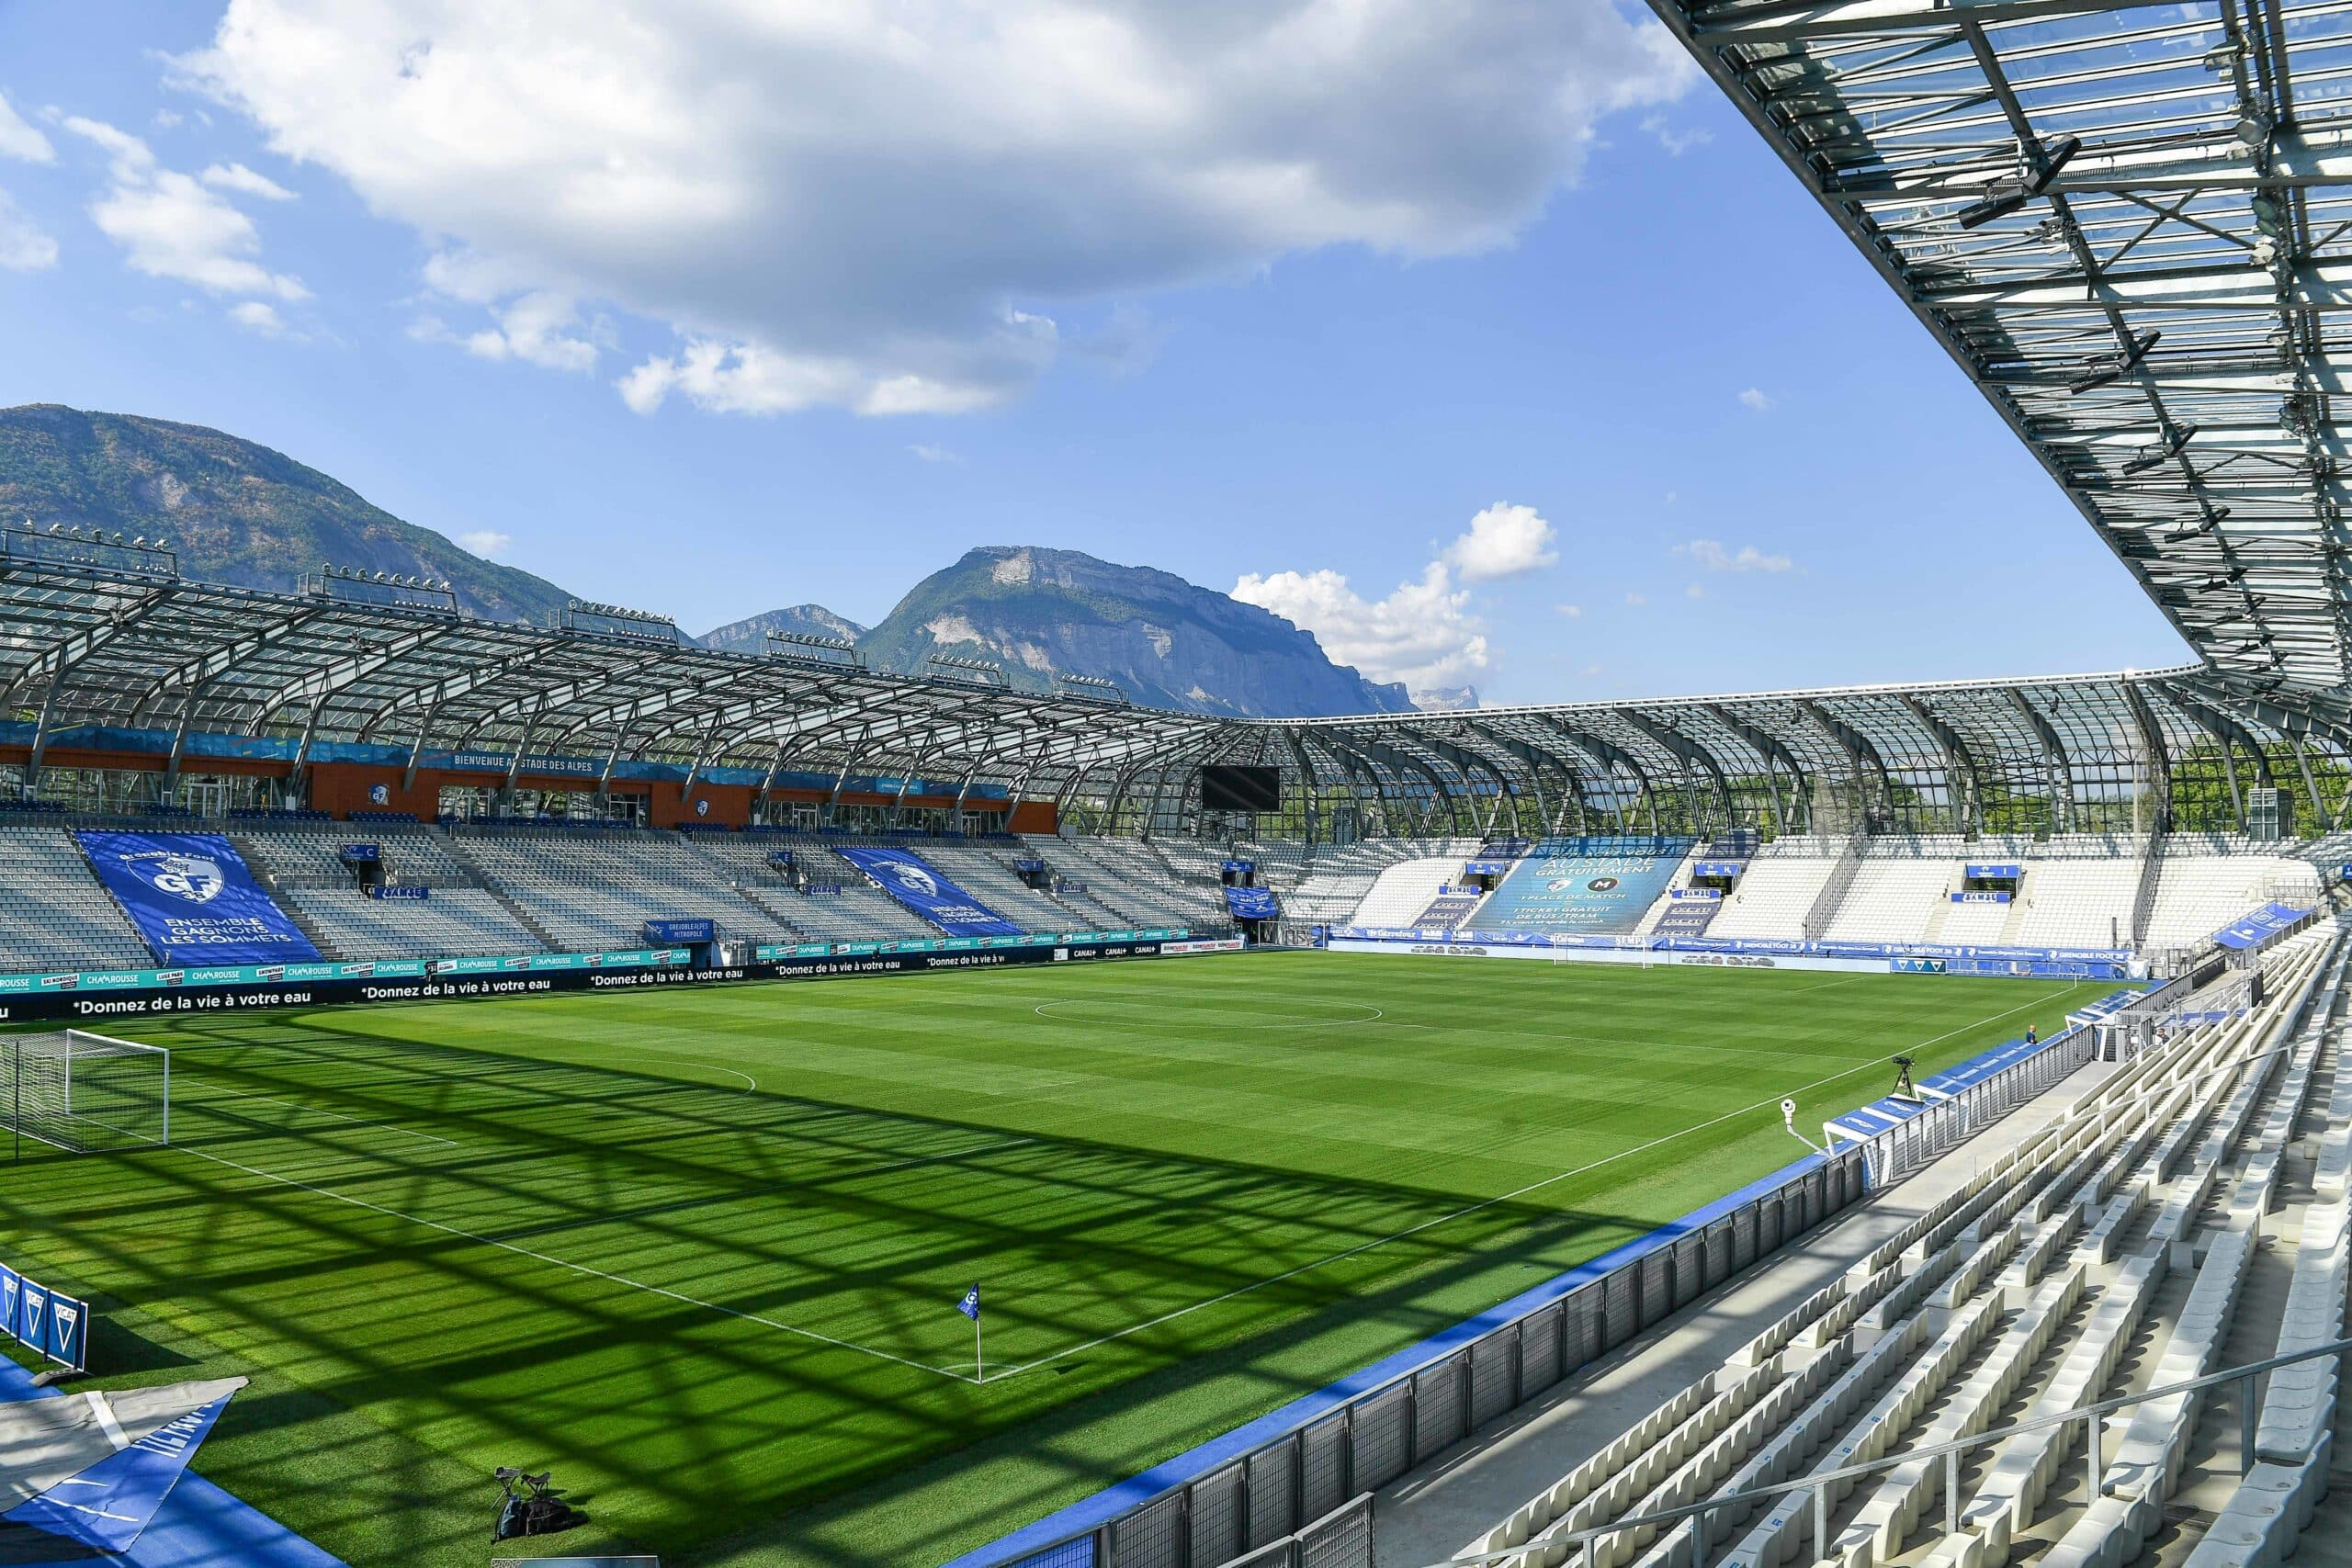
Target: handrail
{"x":2143,"y":896}
{"x":1951,"y":1451}
{"x":1833,"y":891}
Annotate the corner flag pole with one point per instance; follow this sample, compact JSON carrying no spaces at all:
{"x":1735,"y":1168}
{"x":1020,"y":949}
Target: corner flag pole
{"x":970,"y":1307}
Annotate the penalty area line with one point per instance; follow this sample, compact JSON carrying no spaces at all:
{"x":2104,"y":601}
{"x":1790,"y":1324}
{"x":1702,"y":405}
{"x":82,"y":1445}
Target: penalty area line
{"x":606,"y":1275}
{"x":1487,"y":1203}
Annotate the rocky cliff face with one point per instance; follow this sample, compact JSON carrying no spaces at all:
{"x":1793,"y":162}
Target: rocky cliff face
{"x":233,"y":511}
{"x":1164,"y":641}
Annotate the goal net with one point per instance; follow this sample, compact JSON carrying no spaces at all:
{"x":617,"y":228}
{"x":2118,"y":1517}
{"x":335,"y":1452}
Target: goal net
{"x":86,"y":1092}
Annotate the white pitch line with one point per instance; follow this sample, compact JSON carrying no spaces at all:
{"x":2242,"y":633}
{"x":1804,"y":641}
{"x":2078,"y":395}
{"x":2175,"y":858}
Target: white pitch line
{"x":752,"y":1084}
{"x":621,"y":1278}
{"x":336,"y":1115}
{"x":1371,"y":1015}
{"x":1487,"y":1203}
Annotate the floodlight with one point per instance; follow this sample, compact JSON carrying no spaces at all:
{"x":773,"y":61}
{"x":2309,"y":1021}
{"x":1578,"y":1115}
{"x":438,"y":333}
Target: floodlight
{"x":2108,"y":368}
{"x":2169,"y":448}
{"x":2005,"y":195}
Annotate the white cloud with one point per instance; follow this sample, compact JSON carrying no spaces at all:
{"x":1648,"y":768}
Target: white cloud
{"x":932,"y":454}
{"x":170,"y":225}
{"x":1675,"y":142}
{"x":884,"y":207}
{"x":1422,"y":634}
{"x":1755,"y":400}
{"x":258,"y":316}
{"x":1696,"y":591}
{"x":1573,"y":612}
{"x":24,"y":246}
{"x":487,"y":543}
{"x":1633,"y":598}
{"x":539,"y":328}
{"x":1711,"y":555}
{"x":237,"y":178}
{"x":20,"y":141}
{"x":1503,"y":541}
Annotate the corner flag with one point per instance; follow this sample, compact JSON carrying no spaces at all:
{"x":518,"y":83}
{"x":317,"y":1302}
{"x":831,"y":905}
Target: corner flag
{"x":970,"y":1305}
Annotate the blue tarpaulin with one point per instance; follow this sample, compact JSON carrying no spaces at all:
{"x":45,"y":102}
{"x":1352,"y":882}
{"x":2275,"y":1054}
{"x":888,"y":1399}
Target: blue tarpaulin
{"x":925,"y":890}
{"x":2260,"y":926}
{"x":1251,"y":903}
{"x":106,"y":1505}
{"x":193,"y":899}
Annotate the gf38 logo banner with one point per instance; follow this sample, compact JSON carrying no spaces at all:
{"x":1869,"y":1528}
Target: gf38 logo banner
{"x":46,"y":1322}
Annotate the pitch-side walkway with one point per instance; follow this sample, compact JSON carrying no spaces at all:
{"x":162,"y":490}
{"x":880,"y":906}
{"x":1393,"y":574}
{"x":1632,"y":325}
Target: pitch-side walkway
{"x":1428,"y":1515}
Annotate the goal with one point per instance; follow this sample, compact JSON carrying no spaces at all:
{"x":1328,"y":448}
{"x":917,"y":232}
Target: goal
{"x":86,"y":1092}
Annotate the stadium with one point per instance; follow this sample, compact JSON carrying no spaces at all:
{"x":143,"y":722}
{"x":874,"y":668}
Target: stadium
{"x":820,"y":1115}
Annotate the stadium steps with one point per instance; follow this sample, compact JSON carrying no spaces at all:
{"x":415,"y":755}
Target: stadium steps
{"x":765,"y":900}
{"x":539,"y":933}
{"x":2097,"y":1255}
{"x":257,"y":865}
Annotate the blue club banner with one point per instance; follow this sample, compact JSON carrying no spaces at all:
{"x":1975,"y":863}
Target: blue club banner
{"x":929,"y":892}
{"x":1251,"y":903}
{"x":193,"y":899}
{"x":667,"y":932}
{"x":1580,"y":893}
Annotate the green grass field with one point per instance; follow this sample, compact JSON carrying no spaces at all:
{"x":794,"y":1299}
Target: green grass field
{"x":699,"y":1251}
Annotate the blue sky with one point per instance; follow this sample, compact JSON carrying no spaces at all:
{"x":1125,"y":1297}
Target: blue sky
{"x":707,"y":324}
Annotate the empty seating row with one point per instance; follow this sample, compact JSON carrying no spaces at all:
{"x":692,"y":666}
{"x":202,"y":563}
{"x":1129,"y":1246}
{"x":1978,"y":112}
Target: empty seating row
{"x":2131,"y":1220}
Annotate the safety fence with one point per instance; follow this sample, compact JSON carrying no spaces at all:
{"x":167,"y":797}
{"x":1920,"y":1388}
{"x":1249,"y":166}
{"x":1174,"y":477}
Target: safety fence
{"x":1280,"y":1479}
{"x":1918,"y":1141}
{"x":1965,"y":1101}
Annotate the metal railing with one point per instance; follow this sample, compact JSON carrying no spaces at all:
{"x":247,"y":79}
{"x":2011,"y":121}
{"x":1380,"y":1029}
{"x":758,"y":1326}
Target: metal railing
{"x":2143,"y":898}
{"x":1833,"y":891}
{"x":1821,"y":1483}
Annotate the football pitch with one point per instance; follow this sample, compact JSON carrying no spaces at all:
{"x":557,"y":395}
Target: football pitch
{"x":699,"y":1249}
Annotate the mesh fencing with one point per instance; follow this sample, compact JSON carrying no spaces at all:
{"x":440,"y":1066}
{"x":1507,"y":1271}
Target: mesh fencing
{"x":86,"y":1092}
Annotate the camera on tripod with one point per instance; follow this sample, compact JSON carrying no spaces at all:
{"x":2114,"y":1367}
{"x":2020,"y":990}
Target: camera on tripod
{"x":530,"y":1504}
{"x":1903,"y":1087}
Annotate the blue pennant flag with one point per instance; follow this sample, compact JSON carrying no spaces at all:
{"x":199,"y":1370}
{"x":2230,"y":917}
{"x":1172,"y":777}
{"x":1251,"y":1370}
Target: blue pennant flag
{"x":970,"y":1305}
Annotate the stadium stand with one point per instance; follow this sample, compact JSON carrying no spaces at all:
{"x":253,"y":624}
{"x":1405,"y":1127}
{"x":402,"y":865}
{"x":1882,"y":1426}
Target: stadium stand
{"x":1137,"y":879}
{"x":453,"y":922}
{"x":2116,"y":1240}
{"x":1780,"y":884}
{"x":1891,"y":899}
{"x":53,"y":913}
{"x":1400,"y":893}
{"x":2199,"y":893}
{"x":587,"y":889}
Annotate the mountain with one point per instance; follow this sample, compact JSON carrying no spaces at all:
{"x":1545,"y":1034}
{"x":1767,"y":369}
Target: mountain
{"x":239,"y":512}
{"x":804,"y":620}
{"x":1166,"y":642}
{"x":235,"y":512}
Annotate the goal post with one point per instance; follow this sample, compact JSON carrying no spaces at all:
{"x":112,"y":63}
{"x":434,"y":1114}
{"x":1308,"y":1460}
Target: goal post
{"x":86,"y":1092}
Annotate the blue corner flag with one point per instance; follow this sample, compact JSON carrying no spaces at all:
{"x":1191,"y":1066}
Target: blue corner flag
{"x":970,"y":1305}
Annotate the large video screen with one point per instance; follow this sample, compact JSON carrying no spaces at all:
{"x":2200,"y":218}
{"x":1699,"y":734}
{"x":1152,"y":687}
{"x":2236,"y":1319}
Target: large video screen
{"x":1229,"y":788}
